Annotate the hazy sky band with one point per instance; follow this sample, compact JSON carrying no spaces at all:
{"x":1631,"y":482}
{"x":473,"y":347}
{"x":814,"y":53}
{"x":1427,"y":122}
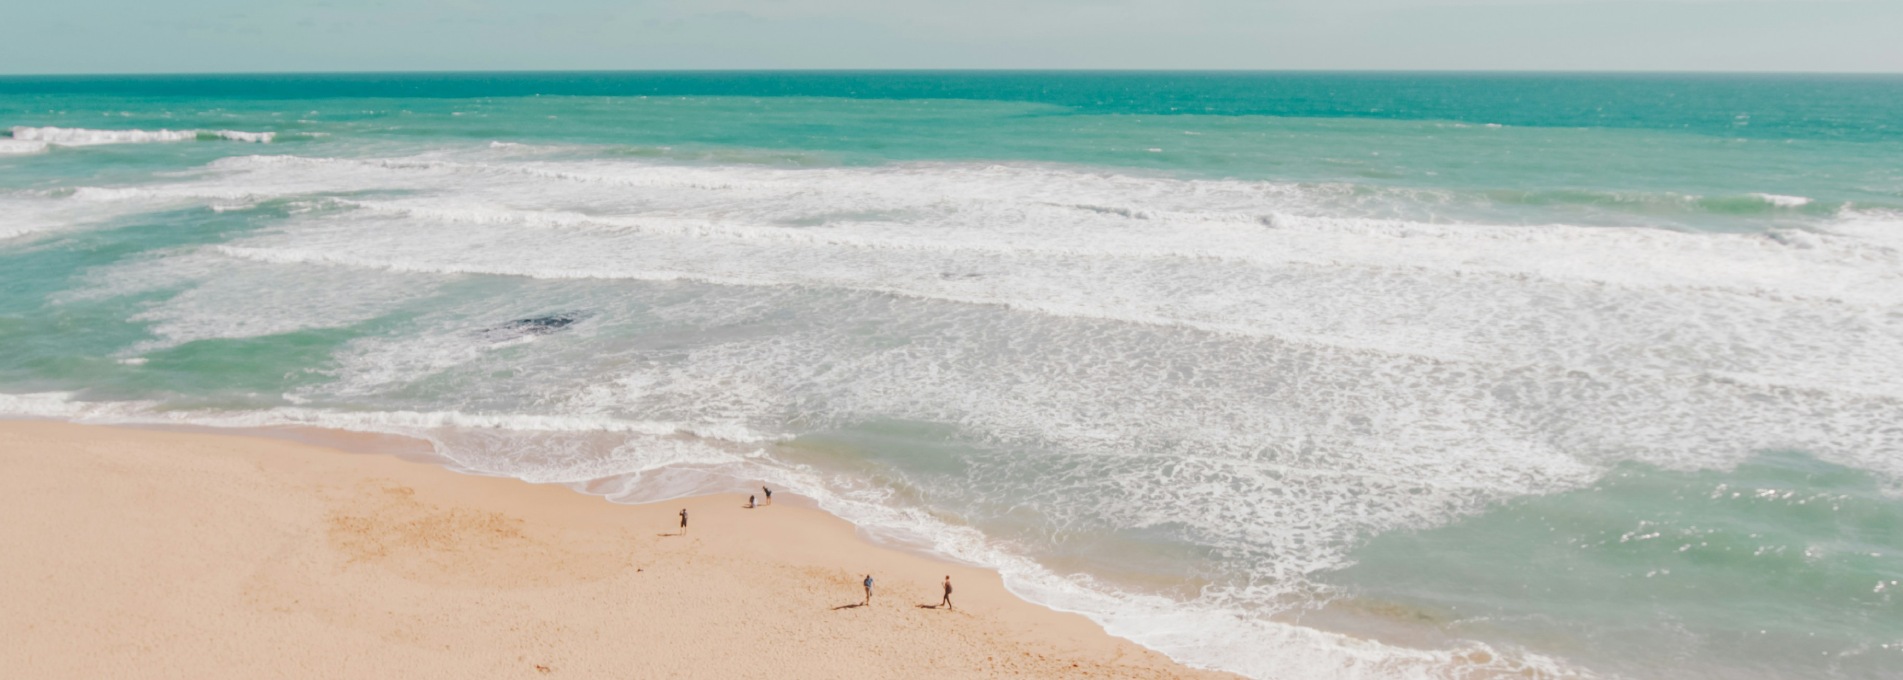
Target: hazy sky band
{"x":113,"y":36}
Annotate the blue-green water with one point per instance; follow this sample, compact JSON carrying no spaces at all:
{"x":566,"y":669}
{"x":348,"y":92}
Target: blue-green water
{"x":1298,"y":375}
{"x":1793,"y":559}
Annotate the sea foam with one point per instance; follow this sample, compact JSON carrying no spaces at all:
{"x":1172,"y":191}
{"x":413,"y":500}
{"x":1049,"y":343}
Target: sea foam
{"x":59,"y":136}
{"x":21,"y":146}
{"x":1782,"y":201}
{"x":1244,"y":367}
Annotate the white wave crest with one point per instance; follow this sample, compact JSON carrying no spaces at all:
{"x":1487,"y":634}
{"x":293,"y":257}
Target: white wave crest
{"x":9,"y":147}
{"x":58,"y":405}
{"x":59,"y":136}
{"x":1782,"y":201}
{"x":85,"y":137}
{"x":251,"y":137}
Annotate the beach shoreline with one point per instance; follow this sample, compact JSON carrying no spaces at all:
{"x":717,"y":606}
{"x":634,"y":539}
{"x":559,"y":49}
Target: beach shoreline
{"x":156,"y":553}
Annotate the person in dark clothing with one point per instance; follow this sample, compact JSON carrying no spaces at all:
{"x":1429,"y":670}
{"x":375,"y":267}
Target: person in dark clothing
{"x":769,"y":494}
{"x":683,"y":521}
{"x":946,"y":603}
{"x":868,"y":584}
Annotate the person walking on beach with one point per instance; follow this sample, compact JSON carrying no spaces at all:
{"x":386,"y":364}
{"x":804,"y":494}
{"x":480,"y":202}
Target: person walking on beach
{"x":946,"y":603}
{"x":769,"y":494}
{"x":683,"y":521}
{"x":868,"y":584}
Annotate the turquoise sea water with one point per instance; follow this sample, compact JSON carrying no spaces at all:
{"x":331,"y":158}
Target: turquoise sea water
{"x":1298,"y":375}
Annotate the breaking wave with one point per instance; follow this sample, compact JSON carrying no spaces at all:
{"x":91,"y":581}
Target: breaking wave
{"x":58,"y":136}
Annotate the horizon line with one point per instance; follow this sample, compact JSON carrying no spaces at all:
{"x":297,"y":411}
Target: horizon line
{"x":1391,"y":71}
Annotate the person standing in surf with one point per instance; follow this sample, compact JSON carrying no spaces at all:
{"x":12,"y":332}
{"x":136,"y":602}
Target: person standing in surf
{"x":683,"y":521}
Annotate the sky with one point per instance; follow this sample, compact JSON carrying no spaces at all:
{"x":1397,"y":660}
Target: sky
{"x":200,"y":36}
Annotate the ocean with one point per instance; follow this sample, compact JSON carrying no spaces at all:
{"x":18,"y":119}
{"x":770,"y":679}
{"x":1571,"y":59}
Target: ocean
{"x":1298,"y":375}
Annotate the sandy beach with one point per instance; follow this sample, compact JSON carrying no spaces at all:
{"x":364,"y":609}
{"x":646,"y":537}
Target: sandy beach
{"x":156,"y":554}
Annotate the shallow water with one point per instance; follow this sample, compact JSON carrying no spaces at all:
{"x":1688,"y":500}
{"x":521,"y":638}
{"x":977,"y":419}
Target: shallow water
{"x":1783,"y":566}
{"x":1249,"y":367}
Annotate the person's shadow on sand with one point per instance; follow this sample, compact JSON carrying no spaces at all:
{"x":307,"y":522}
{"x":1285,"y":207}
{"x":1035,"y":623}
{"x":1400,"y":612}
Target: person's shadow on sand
{"x":928,"y":606}
{"x":854,"y":605}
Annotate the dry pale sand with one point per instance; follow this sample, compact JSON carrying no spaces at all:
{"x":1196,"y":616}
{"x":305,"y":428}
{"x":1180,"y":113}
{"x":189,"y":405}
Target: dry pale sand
{"x":144,"y":554}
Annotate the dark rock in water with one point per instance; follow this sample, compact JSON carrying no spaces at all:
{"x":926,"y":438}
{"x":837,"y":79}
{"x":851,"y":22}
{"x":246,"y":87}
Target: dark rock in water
{"x":542,"y":325}
{"x":537,"y":325}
